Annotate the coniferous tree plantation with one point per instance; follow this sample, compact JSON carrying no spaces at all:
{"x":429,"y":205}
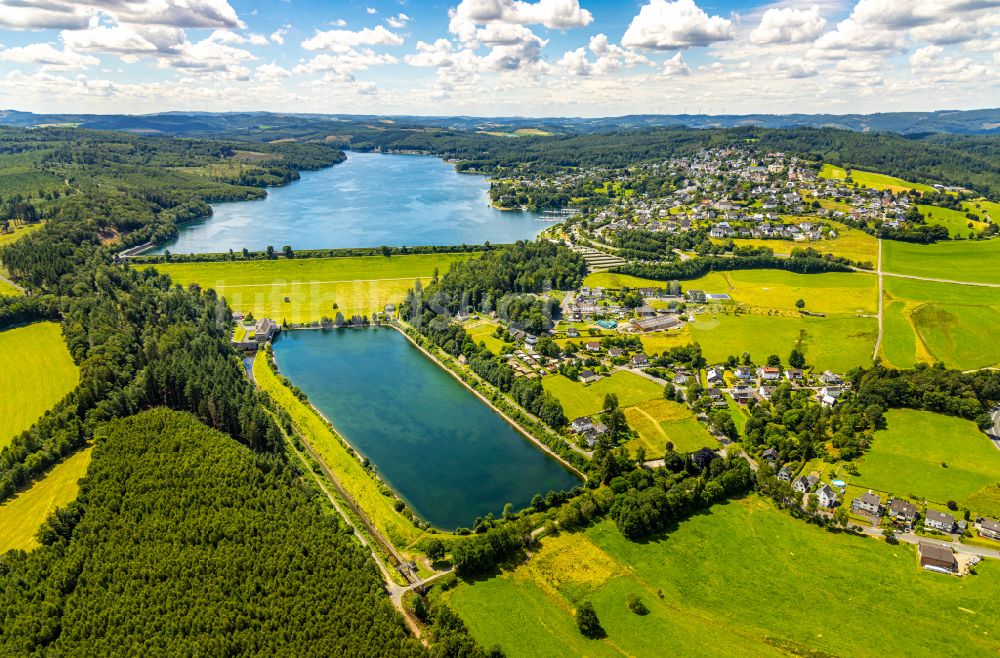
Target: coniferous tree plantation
{"x":184,"y":542}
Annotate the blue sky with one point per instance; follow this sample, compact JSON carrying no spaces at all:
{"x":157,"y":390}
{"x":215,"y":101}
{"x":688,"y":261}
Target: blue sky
{"x":499,"y":57}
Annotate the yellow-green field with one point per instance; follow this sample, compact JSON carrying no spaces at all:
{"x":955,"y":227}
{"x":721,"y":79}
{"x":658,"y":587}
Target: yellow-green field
{"x":963,"y":260}
{"x":926,"y":321}
{"x":586,"y":399}
{"x":358,"y":285}
{"x":741,"y":580}
{"x":838,"y":343}
{"x":333,"y":452}
{"x":928,"y":456}
{"x":836,"y":292}
{"x":873,"y":180}
{"x":21,"y":516}
{"x":850,"y":243}
{"x":36,"y":371}
{"x":659,"y":421}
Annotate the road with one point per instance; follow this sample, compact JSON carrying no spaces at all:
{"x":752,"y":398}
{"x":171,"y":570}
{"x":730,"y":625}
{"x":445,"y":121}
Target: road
{"x":911,"y":538}
{"x":994,"y":433}
{"x":878,"y":339}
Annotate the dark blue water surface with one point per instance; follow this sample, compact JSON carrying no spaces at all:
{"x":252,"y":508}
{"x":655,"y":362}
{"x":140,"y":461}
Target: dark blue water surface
{"x":369,"y":200}
{"x":448,"y":455}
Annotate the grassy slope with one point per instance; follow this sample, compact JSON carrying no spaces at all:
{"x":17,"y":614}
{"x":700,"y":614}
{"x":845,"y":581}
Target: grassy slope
{"x":956,"y":222}
{"x":906,"y":459}
{"x":345,"y":466}
{"x":873,"y":180}
{"x":36,"y":371}
{"x":586,"y":399}
{"x":731,"y":579}
{"x":21,"y":516}
{"x":850,"y":243}
{"x":964,"y":260}
{"x":358,"y":285}
{"x":659,"y":421}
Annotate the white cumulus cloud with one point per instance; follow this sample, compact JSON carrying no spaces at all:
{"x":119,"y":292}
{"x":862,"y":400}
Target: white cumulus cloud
{"x":344,"y":40}
{"x":788,"y":25}
{"x":662,"y":25}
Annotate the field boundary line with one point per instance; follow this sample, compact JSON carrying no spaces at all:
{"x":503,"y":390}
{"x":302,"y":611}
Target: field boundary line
{"x":306,"y":283}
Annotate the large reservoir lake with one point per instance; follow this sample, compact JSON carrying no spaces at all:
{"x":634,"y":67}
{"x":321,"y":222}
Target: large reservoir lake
{"x":369,"y":200}
{"x":448,"y":455}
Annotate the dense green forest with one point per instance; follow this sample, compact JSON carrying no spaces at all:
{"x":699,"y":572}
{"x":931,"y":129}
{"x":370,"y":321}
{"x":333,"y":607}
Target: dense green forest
{"x":183,"y":542}
{"x":95,"y":188}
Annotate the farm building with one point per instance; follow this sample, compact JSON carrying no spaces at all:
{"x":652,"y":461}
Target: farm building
{"x":935,"y":557}
{"x":657,"y":323}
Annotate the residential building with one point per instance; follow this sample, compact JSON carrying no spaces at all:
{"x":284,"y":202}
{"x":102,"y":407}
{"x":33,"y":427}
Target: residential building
{"x":588,"y":376}
{"x":593,"y":346}
{"x":903,"y":511}
{"x":657,"y":323}
{"x":572,"y":332}
{"x":804,"y":483}
{"x":868,"y":503}
{"x":770,"y":374}
{"x":826,"y":496}
{"x":581,"y":424}
{"x":794,"y":375}
{"x":989,"y":528}
{"x":939,"y":521}
{"x":640,"y":361}
{"x":785,"y":474}
{"x":770,"y":454}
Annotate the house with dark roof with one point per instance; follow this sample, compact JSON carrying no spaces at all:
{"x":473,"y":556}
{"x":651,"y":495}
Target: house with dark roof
{"x":903,"y":511}
{"x":868,"y":503}
{"x":804,"y":483}
{"x":581,"y":424}
{"x":587,"y":376}
{"x":770,"y":454}
{"x":939,"y":520}
{"x":785,"y":474}
{"x":989,"y":528}
{"x":935,"y":557}
{"x":616,"y":352}
{"x":826,"y":496}
{"x":573,"y":332}
{"x":640,"y":361}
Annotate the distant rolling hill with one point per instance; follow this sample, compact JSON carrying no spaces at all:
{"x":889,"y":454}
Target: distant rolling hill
{"x":963,"y":122}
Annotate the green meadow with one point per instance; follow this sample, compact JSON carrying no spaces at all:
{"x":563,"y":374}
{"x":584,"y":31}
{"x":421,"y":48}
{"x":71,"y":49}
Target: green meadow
{"x":742,"y":579}
{"x":962,"y":260}
{"x":956,"y":222}
{"x":850,"y":243}
{"x":580,"y":399}
{"x":36,"y":371}
{"x":659,"y":421}
{"x":925,"y":321}
{"x":359,"y":285}
{"x":21,"y":516}
{"x":933,"y":457}
{"x":837,"y":343}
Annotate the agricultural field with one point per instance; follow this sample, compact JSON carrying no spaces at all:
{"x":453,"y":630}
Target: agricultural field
{"x":334,"y":453}
{"x":850,"y":243}
{"x":964,"y":260}
{"x":836,"y":292}
{"x":36,"y":371}
{"x":658,"y":342}
{"x":926,"y":321}
{"x":358,"y":285}
{"x":932,"y":457}
{"x":873,"y":180}
{"x":838,"y":343}
{"x":21,"y":516}
{"x":659,"y":421}
{"x":711,"y":574}
{"x":586,"y":399}
{"x":956,"y":222}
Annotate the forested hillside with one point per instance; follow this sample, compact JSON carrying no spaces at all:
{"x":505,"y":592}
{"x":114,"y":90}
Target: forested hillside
{"x":183,"y":542}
